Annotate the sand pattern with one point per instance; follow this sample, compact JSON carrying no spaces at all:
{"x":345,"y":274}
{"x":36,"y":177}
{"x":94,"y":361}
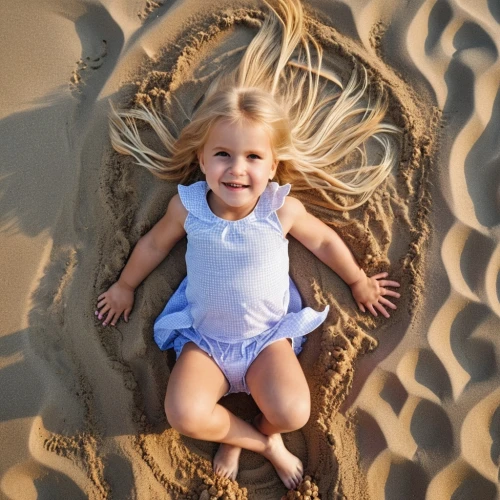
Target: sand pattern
{"x":434,"y":401}
{"x":418,"y":417}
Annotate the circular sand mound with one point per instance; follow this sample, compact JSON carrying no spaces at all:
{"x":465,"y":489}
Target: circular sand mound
{"x":130,"y":434}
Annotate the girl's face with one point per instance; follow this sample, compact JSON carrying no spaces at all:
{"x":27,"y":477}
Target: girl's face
{"x":238,"y":162}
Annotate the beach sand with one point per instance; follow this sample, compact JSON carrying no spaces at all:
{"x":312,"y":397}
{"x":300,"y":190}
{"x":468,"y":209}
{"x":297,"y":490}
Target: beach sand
{"x":401,"y":408}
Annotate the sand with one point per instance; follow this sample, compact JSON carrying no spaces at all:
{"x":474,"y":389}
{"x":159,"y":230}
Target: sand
{"x":401,"y":408}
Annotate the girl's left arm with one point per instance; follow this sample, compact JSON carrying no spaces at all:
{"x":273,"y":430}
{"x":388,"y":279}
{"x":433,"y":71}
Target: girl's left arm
{"x":369,"y":292}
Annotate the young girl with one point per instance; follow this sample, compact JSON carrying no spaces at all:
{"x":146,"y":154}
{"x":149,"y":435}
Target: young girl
{"x":237,"y":322}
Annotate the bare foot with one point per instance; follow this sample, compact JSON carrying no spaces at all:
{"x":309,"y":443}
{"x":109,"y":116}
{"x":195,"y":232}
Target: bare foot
{"x":288,"y":466}
{"x":226,"y":461}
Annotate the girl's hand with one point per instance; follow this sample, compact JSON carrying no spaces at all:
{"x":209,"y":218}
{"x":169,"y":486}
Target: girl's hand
{"x":368,"y":292}
{"x":117,"y":300}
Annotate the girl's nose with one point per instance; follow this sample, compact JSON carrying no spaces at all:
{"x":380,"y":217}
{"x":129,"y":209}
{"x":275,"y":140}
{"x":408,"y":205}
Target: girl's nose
{"x":238,"y":167}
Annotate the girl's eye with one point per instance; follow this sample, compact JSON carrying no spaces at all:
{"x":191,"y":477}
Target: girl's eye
{"x":224,"y":154}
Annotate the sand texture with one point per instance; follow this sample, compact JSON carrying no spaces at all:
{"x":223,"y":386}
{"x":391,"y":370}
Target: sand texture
{"x":402,"y":408}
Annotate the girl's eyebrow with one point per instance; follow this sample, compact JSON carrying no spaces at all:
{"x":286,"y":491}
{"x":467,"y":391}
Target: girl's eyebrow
{"x":250,"y":151}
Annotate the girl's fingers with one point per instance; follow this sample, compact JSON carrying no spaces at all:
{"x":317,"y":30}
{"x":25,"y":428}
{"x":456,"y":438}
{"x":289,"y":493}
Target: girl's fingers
{"x":387,"y":303}
{"x":361,"y":307}
{"x":126,"y":315}
{"x":380,"y":276}
{"x":382,"y":309}
{"x":103,"y":311}
{"x":394,"y":284}
{"x":111,"y":313}
{"x":372,"y":309}
{"x":115,"y":319}
{"x":101,"y":296}
{"x":391,"y":293}
{"x":99,"y":307}
{"x":101,"y":303}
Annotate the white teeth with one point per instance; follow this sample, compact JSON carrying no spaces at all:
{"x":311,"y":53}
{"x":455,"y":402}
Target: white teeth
{"x":234,"y":185}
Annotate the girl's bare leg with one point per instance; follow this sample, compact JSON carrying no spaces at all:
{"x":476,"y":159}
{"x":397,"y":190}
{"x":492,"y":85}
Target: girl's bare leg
{"x":279,"y":388}
{"x":195,"y":386}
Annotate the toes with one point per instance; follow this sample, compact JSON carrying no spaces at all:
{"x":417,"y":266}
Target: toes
{"x":221,"y":472}
{"x":295,"y":479}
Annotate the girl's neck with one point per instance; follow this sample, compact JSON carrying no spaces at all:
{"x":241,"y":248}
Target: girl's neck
{"x":224,"y":211}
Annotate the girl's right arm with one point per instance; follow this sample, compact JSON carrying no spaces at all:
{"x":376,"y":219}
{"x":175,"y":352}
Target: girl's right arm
{"x":149,"y":252}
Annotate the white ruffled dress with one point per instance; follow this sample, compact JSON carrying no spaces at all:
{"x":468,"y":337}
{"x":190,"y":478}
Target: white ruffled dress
{"x":237,"y":297}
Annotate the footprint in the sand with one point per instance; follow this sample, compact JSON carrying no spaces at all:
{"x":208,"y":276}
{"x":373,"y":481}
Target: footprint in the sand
{"x":101,"y":40}
{"x":96,"y":62}
{"x":92,"y":62}
{"x":149,"y":8}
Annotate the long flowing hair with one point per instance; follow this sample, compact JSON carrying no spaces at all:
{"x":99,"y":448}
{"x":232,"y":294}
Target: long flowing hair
{"x":314,"y":121}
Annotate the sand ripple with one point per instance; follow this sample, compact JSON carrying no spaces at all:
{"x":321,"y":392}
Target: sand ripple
{"x":447,"y":425}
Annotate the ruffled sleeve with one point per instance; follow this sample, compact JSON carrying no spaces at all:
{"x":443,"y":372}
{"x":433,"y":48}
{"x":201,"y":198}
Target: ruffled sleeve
{"x":193,"y":198}
{"x":272,"y":199}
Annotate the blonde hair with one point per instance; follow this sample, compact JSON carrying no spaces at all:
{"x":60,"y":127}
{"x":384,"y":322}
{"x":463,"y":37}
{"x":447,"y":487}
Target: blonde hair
{"x":313,"y":122}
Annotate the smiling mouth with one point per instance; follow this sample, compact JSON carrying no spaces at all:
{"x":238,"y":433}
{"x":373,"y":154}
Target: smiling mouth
{"x":235,"y":186}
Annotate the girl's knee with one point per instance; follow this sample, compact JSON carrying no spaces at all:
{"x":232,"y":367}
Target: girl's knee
{"x":292,"y":416}
{"x":187,"y":419}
